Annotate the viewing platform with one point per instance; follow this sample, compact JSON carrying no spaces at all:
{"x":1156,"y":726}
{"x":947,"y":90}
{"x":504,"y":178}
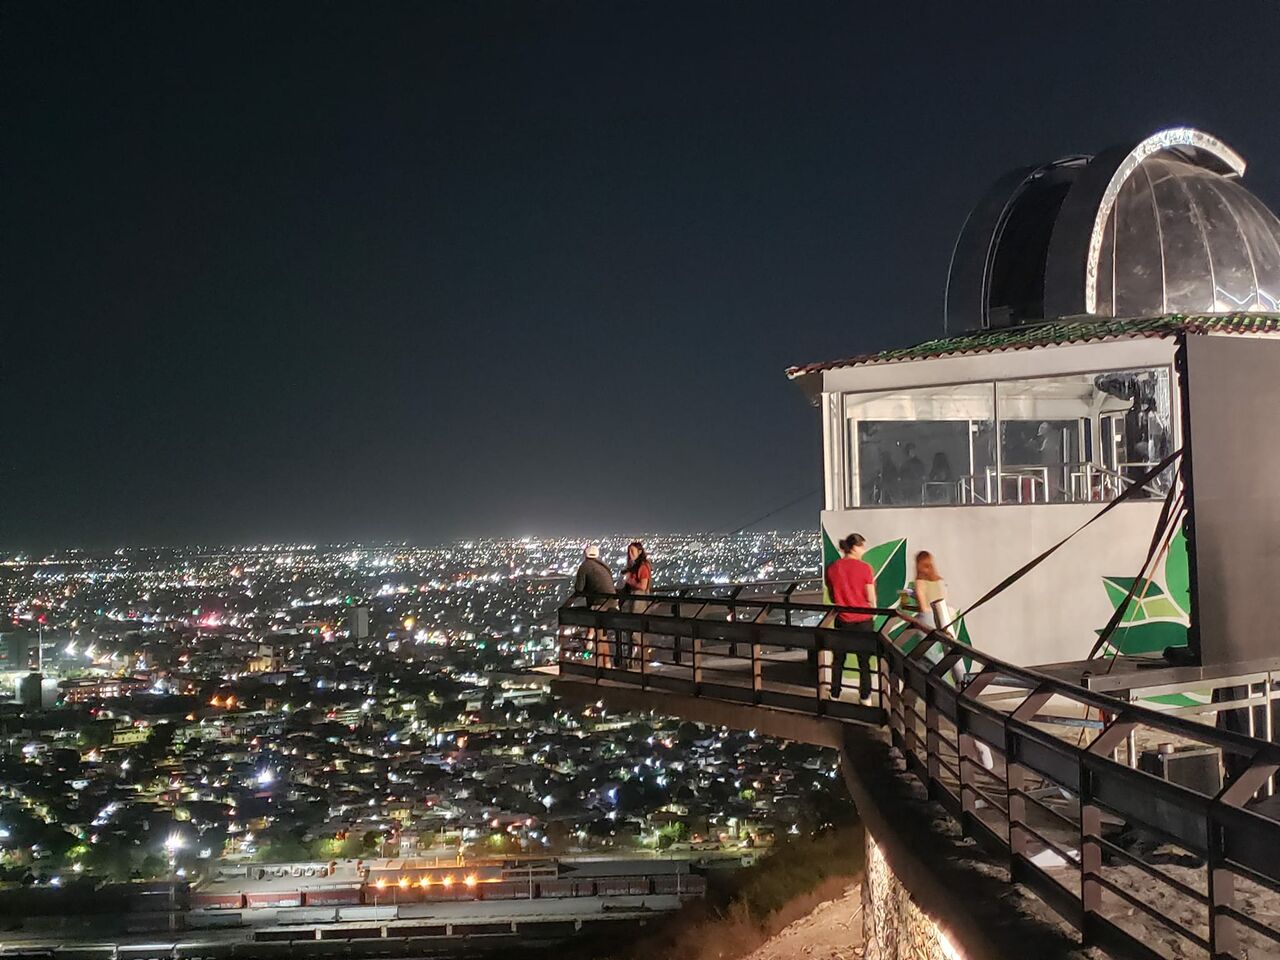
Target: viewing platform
{"x":1139,"y":828}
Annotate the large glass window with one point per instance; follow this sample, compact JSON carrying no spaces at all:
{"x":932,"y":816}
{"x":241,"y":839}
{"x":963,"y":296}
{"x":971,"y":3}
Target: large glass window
{"x":1083,"y":438}
{"x":1076,"y":438}
{"x":934,"y":445}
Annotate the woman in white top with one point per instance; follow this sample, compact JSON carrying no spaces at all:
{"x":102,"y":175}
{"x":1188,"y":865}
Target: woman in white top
{"x":930,"y":588}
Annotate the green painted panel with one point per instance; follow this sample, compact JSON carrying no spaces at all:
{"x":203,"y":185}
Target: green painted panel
{"x":1150,"y":637}
{"x":1177,"y":575}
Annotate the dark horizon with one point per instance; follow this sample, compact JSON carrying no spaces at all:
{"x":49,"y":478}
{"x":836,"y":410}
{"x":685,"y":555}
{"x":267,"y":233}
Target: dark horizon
{"x":418,"y":273}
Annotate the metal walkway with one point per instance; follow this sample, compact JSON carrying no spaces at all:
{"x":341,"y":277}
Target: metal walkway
{"x":1040,"y":771}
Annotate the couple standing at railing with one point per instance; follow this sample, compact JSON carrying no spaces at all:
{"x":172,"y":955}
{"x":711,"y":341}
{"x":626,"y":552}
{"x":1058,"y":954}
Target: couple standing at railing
{"x":595,"y":578}
{"x":852,"y":583}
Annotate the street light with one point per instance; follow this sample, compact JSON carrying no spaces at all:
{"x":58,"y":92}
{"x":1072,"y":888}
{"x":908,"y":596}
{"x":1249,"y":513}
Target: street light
{"x":172,"y":844}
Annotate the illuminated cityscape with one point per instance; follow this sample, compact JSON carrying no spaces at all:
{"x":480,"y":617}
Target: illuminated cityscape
{"x":208,"y":707}
{"x":664,"y":481}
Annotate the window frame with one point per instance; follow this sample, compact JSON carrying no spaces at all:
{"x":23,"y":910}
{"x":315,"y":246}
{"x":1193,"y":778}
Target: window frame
{"x":844,"y":486}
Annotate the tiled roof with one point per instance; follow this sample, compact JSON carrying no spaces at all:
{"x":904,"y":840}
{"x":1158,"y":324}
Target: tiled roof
{"x":1057,"y":333}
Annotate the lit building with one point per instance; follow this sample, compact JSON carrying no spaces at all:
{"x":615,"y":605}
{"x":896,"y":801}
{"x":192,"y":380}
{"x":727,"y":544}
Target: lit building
{"x":17,"y":651}
{"x":358,"y":623}
{"x":1098,"y":310}
{"x":35,"y":691}
{"x":264,"y":659}
{"x":94,"y":689}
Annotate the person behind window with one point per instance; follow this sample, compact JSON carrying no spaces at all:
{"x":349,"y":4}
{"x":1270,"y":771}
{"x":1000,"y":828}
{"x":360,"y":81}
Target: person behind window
{"x":1046,"y":447}
{"x":852,"y":583}
{"x":637,"y":578}
{"x":886,"y":485}
{"x":940,"y":473}
{"x":911,"y":476}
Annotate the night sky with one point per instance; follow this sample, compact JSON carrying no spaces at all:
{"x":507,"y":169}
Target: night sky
{"x":428,"y":270}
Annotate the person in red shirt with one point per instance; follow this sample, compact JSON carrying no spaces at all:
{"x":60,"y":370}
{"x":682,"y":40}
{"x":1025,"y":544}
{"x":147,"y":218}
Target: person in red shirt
{"x":852,"y":583}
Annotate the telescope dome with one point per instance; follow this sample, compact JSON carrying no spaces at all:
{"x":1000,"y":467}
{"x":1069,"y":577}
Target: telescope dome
{"x":1160,"y":227}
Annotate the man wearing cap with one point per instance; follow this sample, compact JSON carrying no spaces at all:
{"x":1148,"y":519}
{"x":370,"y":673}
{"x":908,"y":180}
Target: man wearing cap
{"x":596,"y":581}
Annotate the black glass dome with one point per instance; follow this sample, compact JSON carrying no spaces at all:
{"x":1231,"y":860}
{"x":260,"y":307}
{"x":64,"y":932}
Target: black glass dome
{"x":1163,"y":226}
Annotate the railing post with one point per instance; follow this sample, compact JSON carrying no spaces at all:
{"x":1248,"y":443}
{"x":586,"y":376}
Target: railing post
{"x":757,"y":669}
{"x":932,"y":739}
{"x":1091,"y":825}
{"x":910,"y":717}
{"x":1224,"y":940}
{"x":892,"y":697}
{"x":822,"y":682}
{"x":1015,"y":776}
{"x":969,"y":749}
{"x":695,"y":646}
{"x":733,"y":617}
{"x":599,"y":649}
{"x":675,"y":635}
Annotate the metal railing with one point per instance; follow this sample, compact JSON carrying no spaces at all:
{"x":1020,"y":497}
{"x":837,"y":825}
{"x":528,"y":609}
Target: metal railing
{"x":1042,"y":772}
{"x":728,"y":644}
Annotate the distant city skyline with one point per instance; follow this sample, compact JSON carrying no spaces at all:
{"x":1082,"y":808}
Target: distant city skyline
{"x":430,"y":271}
{"x":380,"y":714}
{"x":618,"y":540}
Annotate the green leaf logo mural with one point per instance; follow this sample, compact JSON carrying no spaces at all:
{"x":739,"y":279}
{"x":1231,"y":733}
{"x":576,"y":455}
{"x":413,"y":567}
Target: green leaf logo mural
{"x":889,"y":561}
{"x":1158,"y":615}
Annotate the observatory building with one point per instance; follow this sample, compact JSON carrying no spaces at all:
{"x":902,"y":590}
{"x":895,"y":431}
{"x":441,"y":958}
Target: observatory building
{"x":1104,"y":314}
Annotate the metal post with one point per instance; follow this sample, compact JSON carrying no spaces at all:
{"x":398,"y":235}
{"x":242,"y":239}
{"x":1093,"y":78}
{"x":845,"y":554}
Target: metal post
{"x":1223,"y":937}
{"x":1091,"y":824}
{"x":733,"y":617}
{"x":757,"y":670}
{"x":1090,"y":855}
{"x":933,"y":737}
{"x":1270,"y":727}
{"x":675,"y":635}
{"x":822,"y":685}
{"x":1131,"y":741}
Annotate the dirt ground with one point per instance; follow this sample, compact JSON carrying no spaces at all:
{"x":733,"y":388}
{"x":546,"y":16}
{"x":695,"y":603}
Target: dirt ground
{"x":833,"y":931}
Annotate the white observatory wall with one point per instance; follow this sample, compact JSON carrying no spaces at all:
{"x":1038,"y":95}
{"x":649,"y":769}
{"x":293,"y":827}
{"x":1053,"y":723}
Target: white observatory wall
{"x":1052,"y":613}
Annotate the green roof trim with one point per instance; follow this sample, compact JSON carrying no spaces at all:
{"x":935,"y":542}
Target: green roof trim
{"x":1057,"y":333}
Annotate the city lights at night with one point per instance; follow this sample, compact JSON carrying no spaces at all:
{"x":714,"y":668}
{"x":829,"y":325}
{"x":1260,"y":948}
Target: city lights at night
{"x":688,"y":480}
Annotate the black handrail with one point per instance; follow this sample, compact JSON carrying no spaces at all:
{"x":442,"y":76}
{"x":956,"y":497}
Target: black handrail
{"x":953,"y":745}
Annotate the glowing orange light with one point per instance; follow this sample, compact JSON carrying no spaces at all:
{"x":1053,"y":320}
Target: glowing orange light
{"x":471,"y":880}
{"x":404,"y":882}
{"x":381,"y":884}
{"x":448,"y":881}
{"x":424,"y":882}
